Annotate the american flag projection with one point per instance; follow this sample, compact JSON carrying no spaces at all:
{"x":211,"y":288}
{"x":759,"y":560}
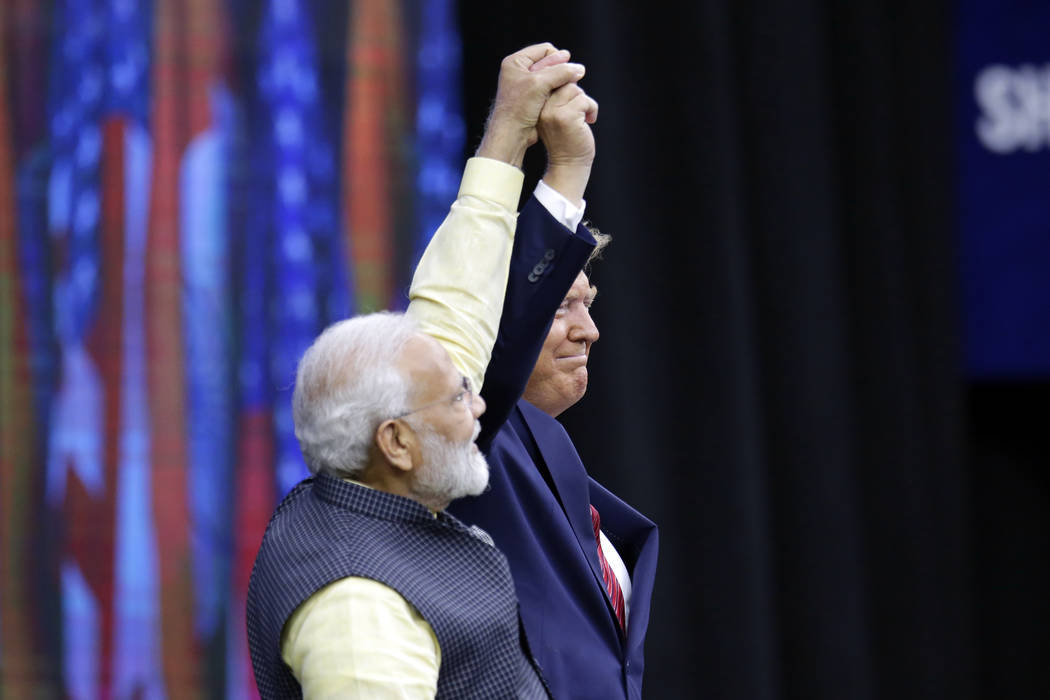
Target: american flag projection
{"x":190,"y":190}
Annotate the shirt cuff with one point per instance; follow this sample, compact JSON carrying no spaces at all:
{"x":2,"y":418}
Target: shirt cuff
{"x":492,"y":180}
{"x":558,"y":206}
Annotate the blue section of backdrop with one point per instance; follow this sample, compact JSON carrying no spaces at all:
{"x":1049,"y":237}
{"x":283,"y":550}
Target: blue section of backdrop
{"x":1003,"y":137}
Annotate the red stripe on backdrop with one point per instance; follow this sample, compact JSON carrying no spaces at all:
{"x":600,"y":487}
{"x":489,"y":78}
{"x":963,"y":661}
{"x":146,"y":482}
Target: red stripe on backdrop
{"x":17,"y":428}
{"x":255,"y":499}
{"x":27,"y":33}
{"x":165,"y":357}
{"x":371,"y":147}
{"x":205,"y":51}
{"x":90,"y":520}
{"x":30,"y":658}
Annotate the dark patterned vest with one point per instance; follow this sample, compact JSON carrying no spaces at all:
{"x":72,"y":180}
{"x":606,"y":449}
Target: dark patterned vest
{"x":326,"y":529}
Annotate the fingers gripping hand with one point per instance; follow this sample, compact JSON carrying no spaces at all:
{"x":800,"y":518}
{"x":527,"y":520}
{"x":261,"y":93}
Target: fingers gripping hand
{"x":526,"y":80}
{"x":528,"y":77}
{"x":564,"y":127}
{"x":552,"y":58}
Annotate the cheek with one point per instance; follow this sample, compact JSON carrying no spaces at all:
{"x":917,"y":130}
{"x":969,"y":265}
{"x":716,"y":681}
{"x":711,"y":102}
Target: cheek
{"x":558,"y":334}
{"x":545,"y":362}
{"x":455,"y":427}
{"x":466,"y":427}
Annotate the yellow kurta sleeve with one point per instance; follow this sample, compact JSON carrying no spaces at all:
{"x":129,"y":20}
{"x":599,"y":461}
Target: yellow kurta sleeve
{"x":357,"y":638}
{"x":457,"y":291}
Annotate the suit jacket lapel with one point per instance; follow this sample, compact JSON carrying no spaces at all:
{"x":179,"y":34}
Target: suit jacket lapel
{"x":568,"y":476}
{"x":636,"y":538}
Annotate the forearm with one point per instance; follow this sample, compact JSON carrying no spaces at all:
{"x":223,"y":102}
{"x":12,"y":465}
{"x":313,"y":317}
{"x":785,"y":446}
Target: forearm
{"x":457,"y":291}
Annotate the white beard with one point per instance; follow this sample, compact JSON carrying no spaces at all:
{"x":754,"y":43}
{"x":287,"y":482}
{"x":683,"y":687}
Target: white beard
{"x":449,"y":471}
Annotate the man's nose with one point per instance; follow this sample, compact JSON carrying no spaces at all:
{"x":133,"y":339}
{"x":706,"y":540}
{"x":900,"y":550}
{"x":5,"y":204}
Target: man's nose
{"x":584,"y":330}
{"x":477,"y":405}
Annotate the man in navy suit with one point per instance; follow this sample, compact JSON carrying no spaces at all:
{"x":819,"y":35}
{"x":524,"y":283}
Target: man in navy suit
{"x":583,"y":561}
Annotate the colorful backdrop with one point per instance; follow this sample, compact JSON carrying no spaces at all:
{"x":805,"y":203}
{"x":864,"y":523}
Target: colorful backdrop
{"x":191,"y":190}
{"x":824,"y":318}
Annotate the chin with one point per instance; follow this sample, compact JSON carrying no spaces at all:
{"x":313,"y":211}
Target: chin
{"x":579,"y":389}
{"x":478,"y":480}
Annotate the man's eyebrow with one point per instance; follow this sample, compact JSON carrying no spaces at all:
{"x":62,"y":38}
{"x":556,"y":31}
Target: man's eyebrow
{"x":588,"y":297}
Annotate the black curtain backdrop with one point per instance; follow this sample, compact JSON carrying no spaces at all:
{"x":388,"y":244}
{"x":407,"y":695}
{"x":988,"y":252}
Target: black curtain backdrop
{"x":1009,"y":442}
{"x":778,"y":381}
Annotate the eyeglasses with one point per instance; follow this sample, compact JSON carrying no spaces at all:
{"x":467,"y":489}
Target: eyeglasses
{"x":463,"y":397}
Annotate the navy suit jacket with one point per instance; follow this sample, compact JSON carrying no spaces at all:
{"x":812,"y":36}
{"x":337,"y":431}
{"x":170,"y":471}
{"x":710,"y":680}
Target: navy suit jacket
{"x":537,"y":506}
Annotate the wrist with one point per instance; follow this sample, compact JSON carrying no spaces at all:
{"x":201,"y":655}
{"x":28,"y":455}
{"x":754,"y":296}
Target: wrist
{"x":569,"y":180}
{"x":507,"y":144}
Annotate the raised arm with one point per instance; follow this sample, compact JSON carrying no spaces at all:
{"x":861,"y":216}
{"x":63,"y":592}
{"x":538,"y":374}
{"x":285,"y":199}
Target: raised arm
{"x":546,"y":255}
{"x":457,"y":291}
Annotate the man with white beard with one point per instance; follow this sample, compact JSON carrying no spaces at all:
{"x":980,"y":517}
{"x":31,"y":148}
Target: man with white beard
{"x":363,"y":585}
{"x":450,"y":470}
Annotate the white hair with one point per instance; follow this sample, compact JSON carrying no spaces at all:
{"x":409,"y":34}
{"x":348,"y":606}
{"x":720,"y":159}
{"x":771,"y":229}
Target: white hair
{"x":450,"y":470}
{"x":346,"y":385}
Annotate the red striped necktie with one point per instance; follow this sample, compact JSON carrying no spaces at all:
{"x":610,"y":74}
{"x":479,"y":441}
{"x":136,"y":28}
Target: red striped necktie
{"x":612,"y":586}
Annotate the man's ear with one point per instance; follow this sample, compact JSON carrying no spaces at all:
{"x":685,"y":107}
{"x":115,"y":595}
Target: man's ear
{"x":397,"y":442}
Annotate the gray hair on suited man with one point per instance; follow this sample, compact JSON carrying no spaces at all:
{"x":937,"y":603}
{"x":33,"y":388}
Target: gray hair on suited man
{"x":347,"y":384}
{"x":601,"y":240}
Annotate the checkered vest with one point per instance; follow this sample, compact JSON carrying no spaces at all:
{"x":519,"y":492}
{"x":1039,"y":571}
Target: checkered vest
{"x":327,"y":529}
